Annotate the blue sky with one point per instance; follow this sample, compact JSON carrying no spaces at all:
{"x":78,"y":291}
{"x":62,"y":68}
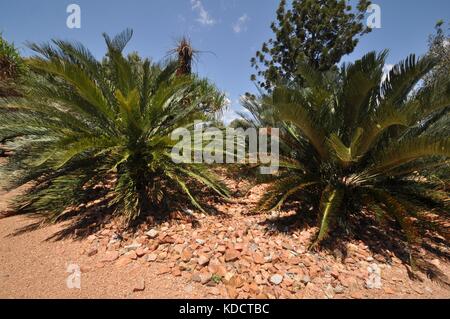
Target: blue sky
{"x":227,"y":31}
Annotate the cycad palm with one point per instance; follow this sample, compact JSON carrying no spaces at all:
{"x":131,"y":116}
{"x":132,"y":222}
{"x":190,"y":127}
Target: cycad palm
{"x":353,"y":142}
{"x":85,"y":123}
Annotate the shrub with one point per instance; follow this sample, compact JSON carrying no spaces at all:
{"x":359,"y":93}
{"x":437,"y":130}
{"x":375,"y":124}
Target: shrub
{"x":354,"y":143}
{"x":86,"y":123}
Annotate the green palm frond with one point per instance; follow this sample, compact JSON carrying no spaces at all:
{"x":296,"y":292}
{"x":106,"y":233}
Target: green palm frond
{"x":382,"y":146}
{"x":294,"y":108}
{"x":86,"y":122}
{"x":330,"y":204}
{"x":410,"y":150}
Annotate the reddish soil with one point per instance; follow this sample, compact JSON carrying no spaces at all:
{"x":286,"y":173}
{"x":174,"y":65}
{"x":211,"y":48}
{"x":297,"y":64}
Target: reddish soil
{"x":231,"y":255}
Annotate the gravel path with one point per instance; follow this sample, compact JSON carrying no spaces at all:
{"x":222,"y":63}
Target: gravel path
{"x":31,"y":267}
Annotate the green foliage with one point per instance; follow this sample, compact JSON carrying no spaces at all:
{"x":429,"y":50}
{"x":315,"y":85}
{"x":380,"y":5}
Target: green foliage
{"x":439,"y":44}
{"x":12,"y":68}
{"x":216,"y":279}
{"x":353,"y":144}
{"x":318,"y":32}
{"x":90,"y":130}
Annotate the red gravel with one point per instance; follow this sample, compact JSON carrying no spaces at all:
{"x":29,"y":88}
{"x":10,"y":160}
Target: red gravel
{"x":228,"y":257}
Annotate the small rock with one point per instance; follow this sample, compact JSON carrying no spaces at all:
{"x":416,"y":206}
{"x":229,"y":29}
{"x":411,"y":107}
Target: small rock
{"x":258,"y":258}
{"x":338,"y":254}
{"x":186,"y":255}
{"x":276,"y":279}
{"x":85,"y":269}
{"x":99,"y":265}
{"x":201,"y":277}
{"x":110,"y":256}
{"x":140,"y":285}
{"x":221,"y":249}
{"x":314,"y":270}
{"x":216,"y":268}
{"x":329,"y":292}
{"x":200,"y":241}
{"x":131,"y":254}
{"x":418,"y":290}
{"x":335,"y":274}
{"x":259,"y":280}
{"x":253,"y":247}
{"x":306,"y":279}
{"x":310,"y":291}
{"x":178,"y":248}
{"x":357,"y":295}
{"x":131,"y":247}
{"x":176,"y":272}
{"x":231,"y":255}
{"x":91,"y":252}
{"x":389,"y":291}
{"x":214,"y":291}
{"x":287,"y":246}
{"x":140,"y":252}
{"x":168,"y":240}
{"x":123,"y":261}
{"x":203,"y":260}
{"x":164,"y":270}
{"x":232,"y":292}
{"x":339,"y":289}
{"x":152,"y":233}
{"x":152,"y":257}
{"x":235,"y":281}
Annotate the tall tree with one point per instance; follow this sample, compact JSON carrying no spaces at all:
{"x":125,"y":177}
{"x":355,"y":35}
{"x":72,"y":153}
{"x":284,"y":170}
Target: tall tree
{"x":319,"y":32}
{"x":440,"y":50}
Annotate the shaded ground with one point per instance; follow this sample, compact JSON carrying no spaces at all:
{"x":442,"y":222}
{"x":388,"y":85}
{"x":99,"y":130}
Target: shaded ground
{"x":31,"y":267}
{"x":232,"y":255}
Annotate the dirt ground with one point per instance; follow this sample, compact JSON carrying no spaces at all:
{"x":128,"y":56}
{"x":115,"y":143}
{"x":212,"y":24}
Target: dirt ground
{"x":228,"y":256}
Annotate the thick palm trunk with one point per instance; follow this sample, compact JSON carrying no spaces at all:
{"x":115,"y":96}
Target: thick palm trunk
{"x":185,"y":56}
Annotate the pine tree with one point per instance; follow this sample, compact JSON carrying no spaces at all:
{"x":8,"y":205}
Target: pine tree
{"x":319,"y":32}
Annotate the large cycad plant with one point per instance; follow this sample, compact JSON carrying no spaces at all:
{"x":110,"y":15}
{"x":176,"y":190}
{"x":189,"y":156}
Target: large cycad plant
{"x":87,"y":125}
{"x":355,"y":142}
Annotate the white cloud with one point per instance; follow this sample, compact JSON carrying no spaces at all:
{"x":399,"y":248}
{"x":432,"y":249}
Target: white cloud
{"x":204,"y":17}
{"x":241,"y":24}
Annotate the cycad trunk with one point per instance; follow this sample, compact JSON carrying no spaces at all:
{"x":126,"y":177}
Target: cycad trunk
{"x":185,"y":56}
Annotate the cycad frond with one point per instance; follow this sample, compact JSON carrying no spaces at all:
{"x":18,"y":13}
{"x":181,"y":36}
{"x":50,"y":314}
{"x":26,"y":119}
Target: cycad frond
{"x":383,"y":145}
{"x":86,"y":122}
